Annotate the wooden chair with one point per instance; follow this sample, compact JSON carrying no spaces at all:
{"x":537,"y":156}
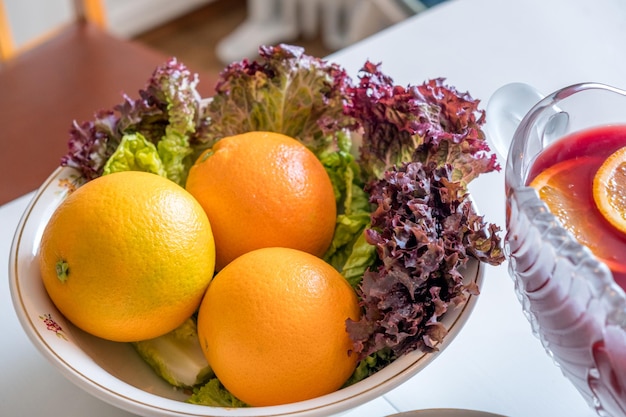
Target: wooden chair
{"x":69,"y":75}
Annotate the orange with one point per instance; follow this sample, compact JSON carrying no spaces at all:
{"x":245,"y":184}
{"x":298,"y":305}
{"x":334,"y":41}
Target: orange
{"x":127,"y":256}
{"x":264,"y":189}
{"x":609,"y":189}
{"x":272,"y":326}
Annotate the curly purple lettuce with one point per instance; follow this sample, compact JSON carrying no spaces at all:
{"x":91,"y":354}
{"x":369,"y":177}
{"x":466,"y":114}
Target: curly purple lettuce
{"x":421,"y":147}
{"x":430,"y":122}
{"x":425,"y":229}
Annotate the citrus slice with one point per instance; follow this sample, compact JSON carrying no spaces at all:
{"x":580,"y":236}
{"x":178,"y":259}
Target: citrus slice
{"x":609,"y":189}
{"x":556,"y":190}
{"x":566,"y":189}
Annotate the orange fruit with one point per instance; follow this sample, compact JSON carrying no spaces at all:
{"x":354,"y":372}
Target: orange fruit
{"x":609,"y":189}
{"x":272,"y":326}
{"x":264,"y":189}
{"x":127,"y":256}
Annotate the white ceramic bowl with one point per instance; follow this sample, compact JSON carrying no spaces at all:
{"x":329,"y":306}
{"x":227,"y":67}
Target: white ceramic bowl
{"x":113,"y":371}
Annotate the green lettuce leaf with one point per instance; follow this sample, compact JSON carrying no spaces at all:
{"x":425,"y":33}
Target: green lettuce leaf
{"x":175,"y":152}
{"x":135,"y":153}
{"x":370,"y":365}
{"x":354,"y":216}
{"x":174,"y":89}
{"x":362,"y":255}
{"x":344,"y":173}
{"x":214,"y":394}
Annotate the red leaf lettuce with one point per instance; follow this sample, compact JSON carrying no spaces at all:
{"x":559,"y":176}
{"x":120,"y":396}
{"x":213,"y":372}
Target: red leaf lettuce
{"x":165,"y":115}
{"x":421,"y":146}
{"x":425,"y":230}
{"x":430,"y":122}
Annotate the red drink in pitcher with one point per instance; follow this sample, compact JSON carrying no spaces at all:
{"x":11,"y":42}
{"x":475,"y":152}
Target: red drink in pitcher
{"x":582,"y":179}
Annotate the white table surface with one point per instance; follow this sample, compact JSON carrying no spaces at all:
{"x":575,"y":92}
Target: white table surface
{"x":495,"y":364}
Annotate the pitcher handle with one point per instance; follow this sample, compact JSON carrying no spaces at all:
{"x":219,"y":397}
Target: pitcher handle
{"x":505,"y":110}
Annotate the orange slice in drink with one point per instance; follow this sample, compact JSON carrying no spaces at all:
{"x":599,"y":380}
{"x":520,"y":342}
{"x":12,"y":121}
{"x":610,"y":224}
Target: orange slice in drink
{"x":555,"y":189}
{"x":609,"y":189}
{"x":571,"y":201}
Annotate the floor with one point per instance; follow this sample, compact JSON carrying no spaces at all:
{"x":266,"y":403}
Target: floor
{"x":192,"y":38}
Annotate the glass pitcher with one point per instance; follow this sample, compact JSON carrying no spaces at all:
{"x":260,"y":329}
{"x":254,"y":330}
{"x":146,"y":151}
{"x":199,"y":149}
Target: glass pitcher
{"x":575,"y":307}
